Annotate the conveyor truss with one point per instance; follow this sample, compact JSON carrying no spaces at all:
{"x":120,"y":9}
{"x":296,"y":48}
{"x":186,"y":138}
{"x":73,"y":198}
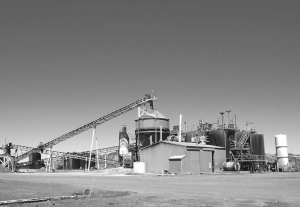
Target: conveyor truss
{"x":47,"y":147}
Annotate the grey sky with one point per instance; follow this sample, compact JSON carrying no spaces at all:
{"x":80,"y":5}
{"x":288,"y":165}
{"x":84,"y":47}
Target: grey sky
{"x":66,"y":63}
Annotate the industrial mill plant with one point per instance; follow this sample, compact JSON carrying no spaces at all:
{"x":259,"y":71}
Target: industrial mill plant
{"x":158,"y":148}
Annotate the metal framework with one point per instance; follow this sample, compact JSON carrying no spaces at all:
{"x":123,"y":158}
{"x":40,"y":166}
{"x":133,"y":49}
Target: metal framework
{"x":240,"y":152}
{"x":88,"y":126}
{"x":54,"y":156}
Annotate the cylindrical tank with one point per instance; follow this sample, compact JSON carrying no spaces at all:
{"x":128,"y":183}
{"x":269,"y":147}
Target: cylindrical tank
{"x":191,"y":134}
{"x":123,"y":142}
{"x":152,"y":123}
{"x":73,"y":164}
{"x":139,"y":167}
{"x":231,"y":166}
{"x":34,"y":157}
{"x":219,"y":138}
{"x":148,"y":128}
{"x":257,"y":144}
{"x":281,"y":150}
{"x":82,"y":164}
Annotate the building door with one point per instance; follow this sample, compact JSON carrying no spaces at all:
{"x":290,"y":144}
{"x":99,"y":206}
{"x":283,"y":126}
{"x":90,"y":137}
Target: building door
{"x":194,"y":157}
{"x":206,"y":161}
{"x":213,"y":161}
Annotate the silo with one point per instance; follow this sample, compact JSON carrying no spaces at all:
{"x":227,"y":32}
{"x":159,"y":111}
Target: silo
{"x":281,"y":150}
{"x":257,"y":144}
{"x":219,"y":138}
{"x":148,"y":128}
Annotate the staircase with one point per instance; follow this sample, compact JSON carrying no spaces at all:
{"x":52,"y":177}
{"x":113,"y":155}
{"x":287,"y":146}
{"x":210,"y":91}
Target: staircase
{"x":244,"y":136}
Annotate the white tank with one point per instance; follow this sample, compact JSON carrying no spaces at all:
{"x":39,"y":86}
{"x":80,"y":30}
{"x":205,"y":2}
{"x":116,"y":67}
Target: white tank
{"x":139,"y":167}
{"x":281,"y":150}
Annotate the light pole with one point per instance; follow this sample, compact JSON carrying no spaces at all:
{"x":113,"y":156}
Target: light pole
{"x":228,"y":114}
{"x":185,"y":127}
{"x":222,"y":113}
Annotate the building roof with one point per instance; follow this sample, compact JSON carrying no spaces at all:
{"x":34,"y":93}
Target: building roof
{"x":186,"y":144}
{"x":177,"y":157}
{"x":152,"y":114}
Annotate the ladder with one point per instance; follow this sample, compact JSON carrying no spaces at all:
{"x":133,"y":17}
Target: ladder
{"x":88,"y":126}
{"x":244,"y":136}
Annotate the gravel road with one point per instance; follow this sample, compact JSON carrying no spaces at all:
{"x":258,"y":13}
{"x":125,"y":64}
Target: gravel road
{"x":228,"y":189}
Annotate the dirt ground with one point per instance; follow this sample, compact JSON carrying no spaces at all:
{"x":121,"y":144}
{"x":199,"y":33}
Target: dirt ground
{"x":118,"y":189}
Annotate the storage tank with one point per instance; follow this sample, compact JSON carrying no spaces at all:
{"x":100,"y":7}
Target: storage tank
{"x":35,"y":157}
{"x":257,"y":144}
{"x":191,"y":134}
{"x":123,"y":142}
{"x":82,"y":164}
{"x":219,"y":138}
{"x":148,"y":125}
{"x":281,"y":150}
{"x":73,"y":163}
{"x":231,"y":166}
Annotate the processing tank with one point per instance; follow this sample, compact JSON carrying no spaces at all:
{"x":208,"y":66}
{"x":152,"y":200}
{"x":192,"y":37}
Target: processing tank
{"x":123,"y":142}
{"x":219,"y":138}
{"x":35,"y":157}
{"x":257,"y":144}
{"x":281,"y":150}
{"x":151,"y":127}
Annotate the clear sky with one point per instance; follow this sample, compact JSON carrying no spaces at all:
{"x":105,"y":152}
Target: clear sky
{"x":66,"y":63}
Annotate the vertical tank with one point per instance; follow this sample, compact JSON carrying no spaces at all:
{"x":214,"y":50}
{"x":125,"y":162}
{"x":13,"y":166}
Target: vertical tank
{"x":82,"y":164}
{"x":219,"y":138}
{"x":190,"y":134}
{"x":35,"y":157}
{"x":148,"y":128}
{"x":281,"y":150}
{"x":73,"y":164}
{"x":123,"y":142}
{"x":257,"y":144}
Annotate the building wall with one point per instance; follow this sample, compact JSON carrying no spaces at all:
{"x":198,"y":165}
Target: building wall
{"x":178,"y":165}
{"x":197,"y":160}
{"x":157,"y":156}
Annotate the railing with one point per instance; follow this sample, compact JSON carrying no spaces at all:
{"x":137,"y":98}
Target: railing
{"x":225,"y":126}
{"x":249,"y":158}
